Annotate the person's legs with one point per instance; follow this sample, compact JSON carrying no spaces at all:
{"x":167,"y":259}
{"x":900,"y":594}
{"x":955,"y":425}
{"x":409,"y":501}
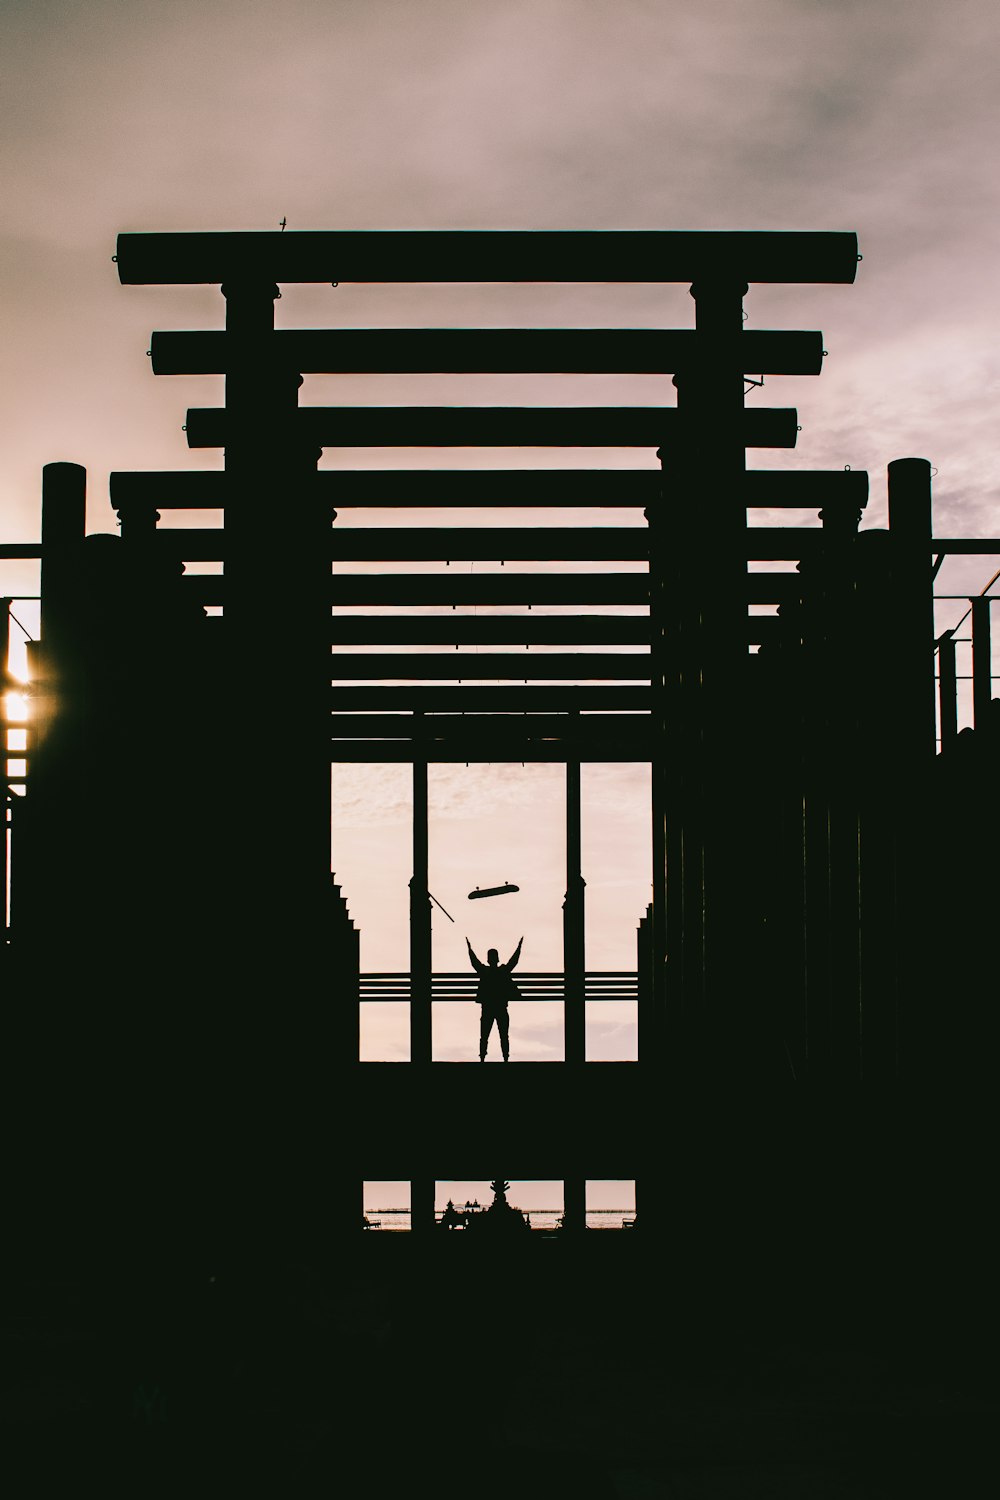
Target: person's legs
{"x":485,"y":1027}
{"x":503,"y":1026}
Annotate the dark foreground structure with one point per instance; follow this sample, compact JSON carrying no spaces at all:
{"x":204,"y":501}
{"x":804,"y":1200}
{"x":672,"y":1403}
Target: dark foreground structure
{"x":811,"y":1119}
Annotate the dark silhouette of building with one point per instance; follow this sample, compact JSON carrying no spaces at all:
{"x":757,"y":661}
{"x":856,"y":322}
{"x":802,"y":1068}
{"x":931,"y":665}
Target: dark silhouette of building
{"x":810,"y":1121}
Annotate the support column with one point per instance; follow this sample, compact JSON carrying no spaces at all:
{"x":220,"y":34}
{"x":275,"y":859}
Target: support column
{"x":982,"y":686}
{"x":947,"y":690}
{"x":269,"y":928}
{"x":911,"y":535}
{"x":708,"y":847}
{"x":899,"y":1039}
{"x":422,"y":1220}
{"x":276,"y":529}
{"x":49,"y":888}
{"x":420,"y":925}
{"x":574,"y":952}
{"x":574,"y":1204}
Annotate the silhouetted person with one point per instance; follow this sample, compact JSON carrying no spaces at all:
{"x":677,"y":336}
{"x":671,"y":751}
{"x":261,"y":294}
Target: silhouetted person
{"x":495,"y":989}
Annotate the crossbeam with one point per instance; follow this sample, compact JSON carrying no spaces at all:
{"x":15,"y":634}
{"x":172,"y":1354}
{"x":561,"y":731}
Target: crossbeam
{"x":505,"y":255}
{"x":494,"y":426}
{"x":401,"y":589}
{"x":468,"y":589}
{"x":485,"y":544}
{"x":491,"y":630}
{"x":497,"y":351}
{"x":489,"y":700}
{"x":452,"y":666}
{"x":200,"y":489}
{"x":512,"y":630}
{"x":469,"y":728}
{"x":505,"y":751}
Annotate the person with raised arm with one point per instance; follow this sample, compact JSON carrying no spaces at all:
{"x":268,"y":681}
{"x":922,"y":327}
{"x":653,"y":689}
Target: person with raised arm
{"x":496,"y":988}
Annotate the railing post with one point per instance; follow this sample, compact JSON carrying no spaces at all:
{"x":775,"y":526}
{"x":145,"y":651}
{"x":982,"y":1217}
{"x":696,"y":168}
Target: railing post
{"x":981,"y":662}
{"x":574,"y":951}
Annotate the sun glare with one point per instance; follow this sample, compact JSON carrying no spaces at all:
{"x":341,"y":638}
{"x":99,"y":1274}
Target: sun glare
{"x":17,"y":708}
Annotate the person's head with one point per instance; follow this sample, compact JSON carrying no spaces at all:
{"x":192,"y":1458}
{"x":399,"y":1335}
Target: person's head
{"x":493,"y":958}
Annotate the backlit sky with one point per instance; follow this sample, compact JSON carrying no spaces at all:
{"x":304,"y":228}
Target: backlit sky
{"x":878,"y":116}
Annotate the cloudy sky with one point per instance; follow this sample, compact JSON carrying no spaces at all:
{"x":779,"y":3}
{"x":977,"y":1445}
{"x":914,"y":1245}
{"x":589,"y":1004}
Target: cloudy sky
{"x":878,"y":116}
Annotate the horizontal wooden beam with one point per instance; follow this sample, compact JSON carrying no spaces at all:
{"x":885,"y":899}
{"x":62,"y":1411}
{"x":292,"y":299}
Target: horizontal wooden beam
{"x":640,"y":351}
{"x":454,"y":588}
{"x":396,"y":752}
{"x":968,"y":545}
{"x":503,"y":255}
{"x":13,"y":551}
{"x":487,"y":700}
{"x":807,"y":489}
{"x":492,"y":426}
{"x":206,"y":489}
{"x":472,"y":728}
{"x":512,"y":630}
{"x":490,"y":589}
{"x":455,"y":666}
{"x":490,"y":630}
{"x":506,"y":544}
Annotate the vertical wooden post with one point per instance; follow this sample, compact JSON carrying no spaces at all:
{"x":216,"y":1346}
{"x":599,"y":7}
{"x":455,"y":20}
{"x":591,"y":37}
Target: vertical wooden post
{"x":574,"y":1204}
{"x":64,"y":521}
{"x":910,"y":749}
{"x":64,"y":524}
{"x":422,"y":1220}
{"x":574,"y":950}
{"x":982,"y":687}
{"x":420,"y":923}
{"x":706,"y":796}
{"x":266,"y":459}
{"x":836,"y":813}
{"x":947,"y":690}
{"x":648,"y":1029}
{"x":664,"y":915}
{"x":911,"y":535}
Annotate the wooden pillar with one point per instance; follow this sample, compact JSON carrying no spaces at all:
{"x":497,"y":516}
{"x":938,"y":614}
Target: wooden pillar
{"x":707,"y":792}
{"x":982,"y":687}
{"x":903,"y":810}
{"x":648,"y":1028}
{"x":835,"y":824}
{"x":422,"y":1220}
{"x":664,"y":916}
{"x":574,"y":950}
{"x":64,"y":521}
{"x":574,"y":1204}
{"x":947,"y":690}
{"x":64,"y":524}
{"x":911,"y":535}
{"x":277,"y":535}
{"x":420,"y":924}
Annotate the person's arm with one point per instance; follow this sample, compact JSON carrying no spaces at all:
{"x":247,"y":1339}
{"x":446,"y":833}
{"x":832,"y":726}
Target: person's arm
{"x":512,"y":961}
{"x":479,"y":967}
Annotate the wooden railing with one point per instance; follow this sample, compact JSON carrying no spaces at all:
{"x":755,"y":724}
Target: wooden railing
{"x":599,"y":985}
